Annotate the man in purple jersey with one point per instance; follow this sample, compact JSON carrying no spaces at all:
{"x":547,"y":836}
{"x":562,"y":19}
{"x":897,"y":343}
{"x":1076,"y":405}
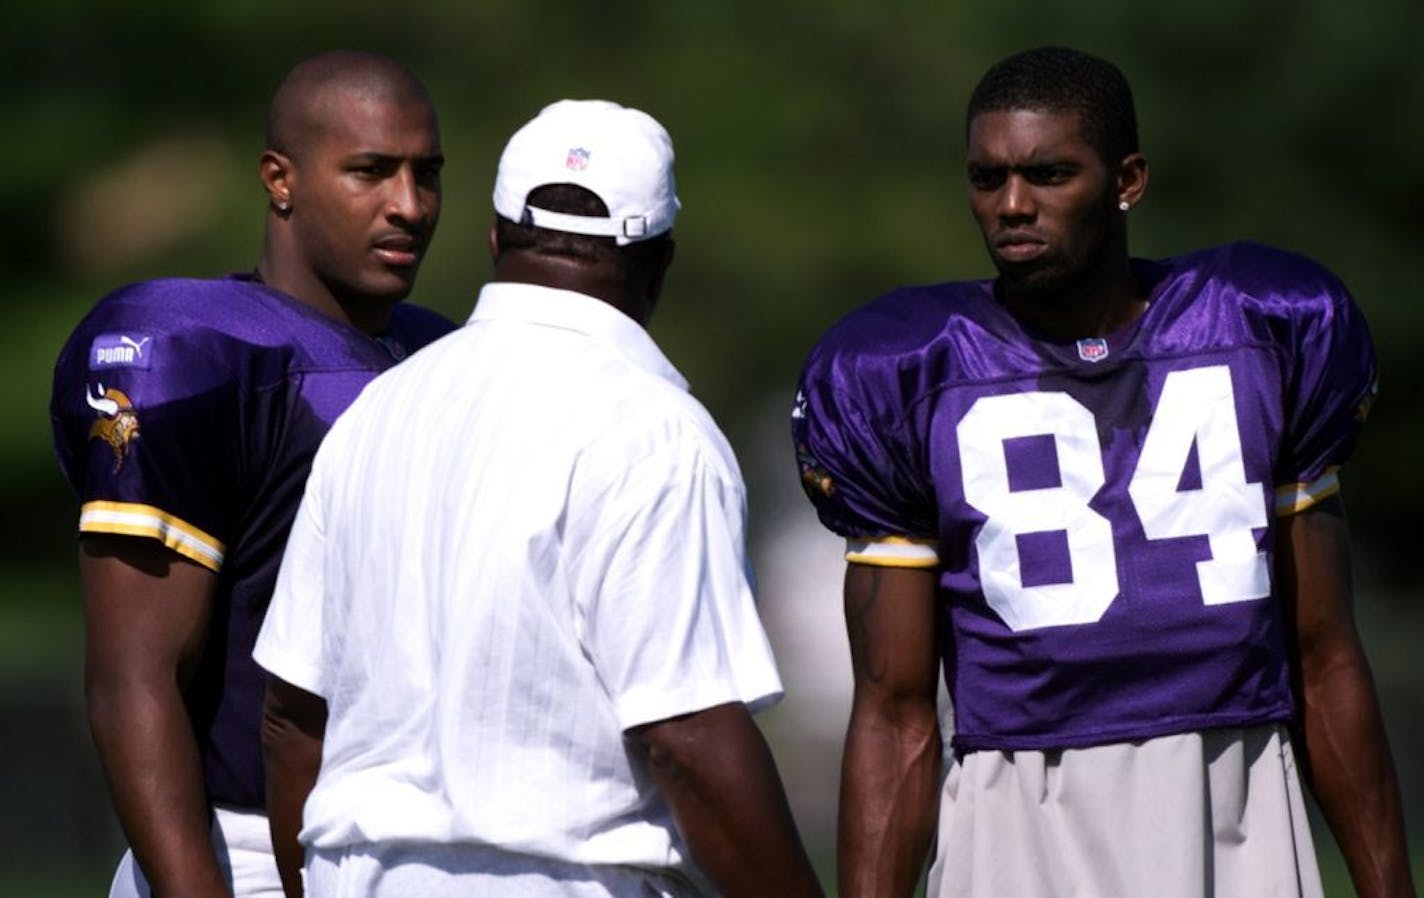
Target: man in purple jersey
{"x":1101,"y":493}
{"x":186,"y":414}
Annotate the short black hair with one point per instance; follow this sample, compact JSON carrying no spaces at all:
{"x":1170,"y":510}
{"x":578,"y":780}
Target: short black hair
{"x":633,"y":259}
{"x":303,"y":102}
{"x":1059,"y":79}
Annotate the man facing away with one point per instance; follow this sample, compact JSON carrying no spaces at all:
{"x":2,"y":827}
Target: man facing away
{"x":514,"y":626}
{"x":186,"y":414}
{"x":1103,"y":492}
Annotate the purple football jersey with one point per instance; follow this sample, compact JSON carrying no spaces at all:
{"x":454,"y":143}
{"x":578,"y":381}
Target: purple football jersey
{"x":188,"y":411}
{"x":1101,"y":512}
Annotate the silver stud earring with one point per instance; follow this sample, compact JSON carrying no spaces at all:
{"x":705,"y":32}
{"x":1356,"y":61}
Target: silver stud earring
{"x":282,"y":206}
{"x":1124,"y":205}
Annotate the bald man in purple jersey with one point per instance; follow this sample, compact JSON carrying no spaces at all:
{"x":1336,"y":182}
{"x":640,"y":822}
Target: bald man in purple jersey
{"x":186,"y":414}
{"x":1100,"y":494}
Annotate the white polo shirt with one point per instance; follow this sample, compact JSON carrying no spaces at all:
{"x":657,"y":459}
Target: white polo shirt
{"x":514,"y":546}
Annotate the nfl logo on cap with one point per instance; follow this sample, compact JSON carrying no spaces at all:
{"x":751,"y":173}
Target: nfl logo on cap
{"x":633,"y":177}
{"x":1093,"y":349}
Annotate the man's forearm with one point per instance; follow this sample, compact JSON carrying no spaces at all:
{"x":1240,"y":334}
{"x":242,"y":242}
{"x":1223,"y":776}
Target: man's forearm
{"x":1343,"y":750}
{"x":890,"y":771}
{"x":717,"y":774}
{"x":293,"y":729}
{"x":1351,"y":773}
{"x":150,"y":758}
{"x":291,"y":773}
{"x":888,"y":802}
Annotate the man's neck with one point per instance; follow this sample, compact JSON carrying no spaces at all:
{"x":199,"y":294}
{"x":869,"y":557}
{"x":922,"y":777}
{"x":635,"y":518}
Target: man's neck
{"x":301,"y":283}
{"x":1094,"y":305}
{"x":568,"y":274}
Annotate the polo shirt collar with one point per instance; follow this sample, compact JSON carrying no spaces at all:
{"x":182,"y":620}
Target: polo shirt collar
{"x":565,"y":309}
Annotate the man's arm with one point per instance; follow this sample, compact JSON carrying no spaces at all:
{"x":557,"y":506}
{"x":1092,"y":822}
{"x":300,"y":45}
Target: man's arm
{"x":293,"y":726}
{"x":1344,"y":754}
{"x":146,"y":613}
{"x":891,"y":768}
{"x":717,"y":774}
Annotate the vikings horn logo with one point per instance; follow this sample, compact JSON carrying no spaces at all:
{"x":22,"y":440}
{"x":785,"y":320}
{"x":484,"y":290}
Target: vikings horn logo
{"x":117,"y":424}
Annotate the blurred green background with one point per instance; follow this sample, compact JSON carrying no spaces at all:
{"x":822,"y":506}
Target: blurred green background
{"x":820,"y":153}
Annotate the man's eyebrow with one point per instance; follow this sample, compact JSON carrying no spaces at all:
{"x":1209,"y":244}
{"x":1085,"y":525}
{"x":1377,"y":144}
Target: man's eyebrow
{"x":368,"y":156}
{"x":1021,"y":168}
{"x":382,"y":157}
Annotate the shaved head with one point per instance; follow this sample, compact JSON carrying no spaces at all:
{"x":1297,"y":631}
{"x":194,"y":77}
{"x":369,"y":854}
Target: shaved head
{"x":317,"y":90}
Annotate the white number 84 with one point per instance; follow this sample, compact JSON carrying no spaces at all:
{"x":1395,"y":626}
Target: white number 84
{"x":1196,"y":406}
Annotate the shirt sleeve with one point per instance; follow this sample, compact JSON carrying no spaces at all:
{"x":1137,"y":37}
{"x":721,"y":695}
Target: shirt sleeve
{"x":148,"y":428}
{"x":859,"y":465}
{"x":1332,"y":387}
{"x":292,"y":642}
{"x":662,"y":588}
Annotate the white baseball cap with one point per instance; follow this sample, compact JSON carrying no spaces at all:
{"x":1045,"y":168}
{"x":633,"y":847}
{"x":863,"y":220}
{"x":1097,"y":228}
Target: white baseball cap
{"x":623,"y":155}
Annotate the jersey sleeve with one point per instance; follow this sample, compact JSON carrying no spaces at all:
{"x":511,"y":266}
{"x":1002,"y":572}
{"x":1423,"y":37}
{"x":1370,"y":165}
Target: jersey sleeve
{"x":1331,"y":389}
{"x":859,"y":465}
{"x":662,"y":586}
{"x":148,"y":429}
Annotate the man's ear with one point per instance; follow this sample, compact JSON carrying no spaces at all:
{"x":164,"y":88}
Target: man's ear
{"x":278,"y":176}
{"x":1132,"y":175}
{"x":494,"y":241}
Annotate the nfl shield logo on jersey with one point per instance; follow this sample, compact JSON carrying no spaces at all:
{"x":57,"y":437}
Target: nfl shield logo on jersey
{"x":1093,"y":349}
{"x":577,"y":159}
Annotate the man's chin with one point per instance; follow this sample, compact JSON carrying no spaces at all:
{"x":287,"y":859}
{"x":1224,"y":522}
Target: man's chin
{"x":1031,"y":279}
{"x":391,"y":285}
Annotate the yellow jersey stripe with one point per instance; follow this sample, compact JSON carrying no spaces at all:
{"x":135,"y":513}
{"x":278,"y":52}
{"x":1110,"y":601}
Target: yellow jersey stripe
{"x":892,"y":551}
{"x":131,"y":519}
{"x":1295,"y":497}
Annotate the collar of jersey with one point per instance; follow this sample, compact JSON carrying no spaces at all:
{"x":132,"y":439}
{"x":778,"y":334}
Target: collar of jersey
{"x":532,"y":304}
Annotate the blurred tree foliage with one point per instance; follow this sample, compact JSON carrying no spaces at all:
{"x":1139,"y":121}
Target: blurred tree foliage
{"x":819,"y":161}
{"x":820,"y":148}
